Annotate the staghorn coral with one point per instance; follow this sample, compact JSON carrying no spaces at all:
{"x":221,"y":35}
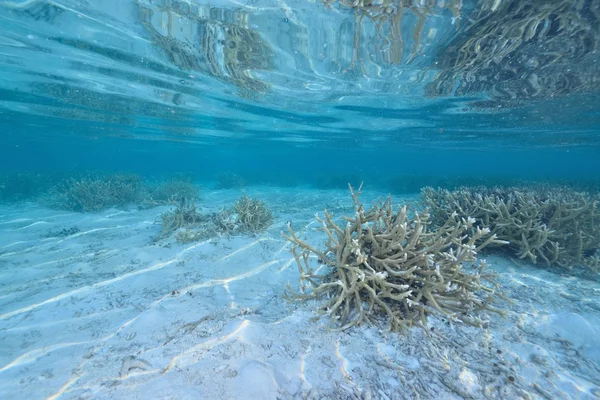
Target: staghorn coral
{"x":187,"y":225}
{"x":226,"y":221}
{"x":184,"y":216}
{"x":175,"y":190}
{"x":558,"y":225}
{"x":95,"y":193}
{"x":252,"y":215}
{"x":248,"y":215}
{"x":385,"y":262}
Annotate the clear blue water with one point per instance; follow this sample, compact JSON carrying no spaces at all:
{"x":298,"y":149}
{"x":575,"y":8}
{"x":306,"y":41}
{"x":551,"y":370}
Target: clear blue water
{"x":296,"y":98}
{"x":151,"y":87}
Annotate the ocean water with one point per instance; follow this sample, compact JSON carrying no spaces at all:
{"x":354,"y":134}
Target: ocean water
{"x":132,"y":132}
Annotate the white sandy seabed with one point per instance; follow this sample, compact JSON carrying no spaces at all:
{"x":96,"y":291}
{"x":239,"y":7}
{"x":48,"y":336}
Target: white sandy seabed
{"x":108,"y":313}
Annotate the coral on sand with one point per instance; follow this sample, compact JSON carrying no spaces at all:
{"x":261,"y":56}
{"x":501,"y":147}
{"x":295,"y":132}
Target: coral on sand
{"x":94,"y":193}
{"x":253,"y":215}
{"x":553,"y":224}
{"x":385,"y":262}
{"x":183,"y":216}
{"x":175,"y":190}
{"x":248,"y":215}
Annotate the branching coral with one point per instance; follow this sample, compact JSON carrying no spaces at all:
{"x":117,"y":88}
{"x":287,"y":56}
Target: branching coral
{"x":385,"y":262}
{"x":226,"y":221}
{"x":96,"y":193}
{"x":177,"y":190}
{"x":248,"y":215}
{"x":184,"y":216}
{"x":557,"y":225}
{"x":253,"y":215}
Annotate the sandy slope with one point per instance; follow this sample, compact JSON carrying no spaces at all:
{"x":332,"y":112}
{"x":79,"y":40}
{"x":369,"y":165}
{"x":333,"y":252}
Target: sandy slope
{"x":108,"y":313}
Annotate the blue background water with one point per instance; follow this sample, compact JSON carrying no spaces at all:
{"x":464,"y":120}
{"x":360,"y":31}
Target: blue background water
{"x":95,"y":87}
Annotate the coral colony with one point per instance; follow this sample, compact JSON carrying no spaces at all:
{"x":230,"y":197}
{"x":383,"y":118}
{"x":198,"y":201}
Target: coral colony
{"x":386,"y":262}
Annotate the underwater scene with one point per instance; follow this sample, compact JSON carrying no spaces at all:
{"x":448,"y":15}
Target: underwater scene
{"x":300,"y":199}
